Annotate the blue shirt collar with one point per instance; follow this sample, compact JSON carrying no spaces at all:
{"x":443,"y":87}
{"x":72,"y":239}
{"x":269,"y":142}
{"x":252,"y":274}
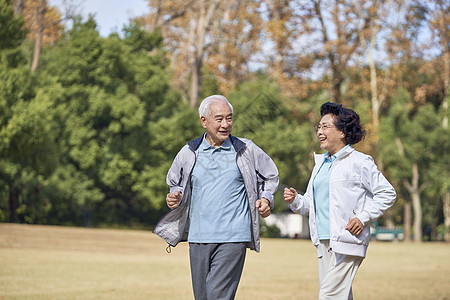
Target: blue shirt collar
{"x":226,"y":145}
{"x":334,"y":156}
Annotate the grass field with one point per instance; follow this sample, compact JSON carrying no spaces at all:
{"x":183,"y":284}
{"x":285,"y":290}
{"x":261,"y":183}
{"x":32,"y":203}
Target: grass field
{"x":50,"y":262}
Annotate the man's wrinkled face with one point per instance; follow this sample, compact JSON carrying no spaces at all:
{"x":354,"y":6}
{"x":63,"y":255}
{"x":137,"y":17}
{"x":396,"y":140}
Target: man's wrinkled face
{"x":218,"y":124}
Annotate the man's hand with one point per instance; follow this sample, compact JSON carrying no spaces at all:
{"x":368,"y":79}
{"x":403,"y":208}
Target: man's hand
{"x":173,"y":199}
{"x":263,"y":206}
{"x":289,"y":195}
{"x":355,"y":226}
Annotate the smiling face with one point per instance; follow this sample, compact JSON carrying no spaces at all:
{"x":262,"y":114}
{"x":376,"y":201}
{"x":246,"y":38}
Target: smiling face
{"x":330,"y":138}
{"x":218,"y":124}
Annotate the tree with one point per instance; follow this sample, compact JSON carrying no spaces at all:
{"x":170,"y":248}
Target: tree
{"x":188,"y":23}
{"x":264,"y":118}
{"x":44,"y":25}
{"x":236,"y":32}
{"x":439,"y":20}
{"x":12,"y":29}
{"x":14,"y":87}
{"x":205,"y":39}
{"x":18,"y":6}
{"x":116,"y":102}
{"x":337,"y":28}
{"x":88,"y":144}
{"x":406,"y":47}
{"x":414,"y":130}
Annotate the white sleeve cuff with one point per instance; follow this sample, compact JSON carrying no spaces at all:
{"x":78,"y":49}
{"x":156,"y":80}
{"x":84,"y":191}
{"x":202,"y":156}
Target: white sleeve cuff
{"x":296,"y":203}
{"x":176,"y":188}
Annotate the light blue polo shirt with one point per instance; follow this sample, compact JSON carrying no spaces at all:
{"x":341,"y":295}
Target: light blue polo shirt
{"x":219,"y":210}
{"x":321,"y":190}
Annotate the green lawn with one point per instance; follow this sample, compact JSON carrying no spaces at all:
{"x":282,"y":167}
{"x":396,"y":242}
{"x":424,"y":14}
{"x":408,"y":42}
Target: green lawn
{"x":50,"y":262}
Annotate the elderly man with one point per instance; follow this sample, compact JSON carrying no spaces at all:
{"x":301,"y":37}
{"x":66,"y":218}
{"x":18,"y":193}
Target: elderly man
{"x":218,"y":185}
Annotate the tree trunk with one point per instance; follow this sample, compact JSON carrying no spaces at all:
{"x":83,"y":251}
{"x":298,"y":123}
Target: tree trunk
{"x":335,"y":66}
{"x":417,"y":208}
{"x":18,"y":6}
{"x":40,"y":14}
{"x":194,"y":91}
{"x":156,"y":21}
{"x":414,"y":190}
{"x":205,"y":17}
{"x":37,"y":51}
{"x":407,"y":220}
{"x":446,"y":209}
{"x":337,"y":84}
{"x":376,"y":103}
{"x":188,"y":58}
{"x":446,"y":60}
{"x":196,"y":66}
{"x":443,"y":32}
{"x":13,"y":204}
{"x":388,"y":219}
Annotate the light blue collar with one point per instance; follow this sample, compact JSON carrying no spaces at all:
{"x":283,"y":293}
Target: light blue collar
{"x":226,"y":145}
{"x":334,"y":156}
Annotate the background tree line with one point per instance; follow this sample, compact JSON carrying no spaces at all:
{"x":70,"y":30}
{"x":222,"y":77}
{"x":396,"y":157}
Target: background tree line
{"x":89,"y":125}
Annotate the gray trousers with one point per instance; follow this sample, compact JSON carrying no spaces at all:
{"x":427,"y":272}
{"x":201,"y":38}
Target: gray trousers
{"x":216,"y":269}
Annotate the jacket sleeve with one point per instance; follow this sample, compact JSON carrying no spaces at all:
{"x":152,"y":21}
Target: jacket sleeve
{"x":383,"y":192}
{"x":267,"y":175}
{"x":175,"y":175}
{"x":301,"y":203}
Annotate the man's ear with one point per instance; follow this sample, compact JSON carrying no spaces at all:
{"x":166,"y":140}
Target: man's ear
{"x":203,"y":120}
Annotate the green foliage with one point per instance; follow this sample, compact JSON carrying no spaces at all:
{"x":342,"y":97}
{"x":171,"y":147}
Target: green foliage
{"x":12,"y":28}
{"x":410,"y":135}
{"x":140,"y":40}
{"x":414,"y":134}
{"x":261,"y":115}
{"x":89,"y":139}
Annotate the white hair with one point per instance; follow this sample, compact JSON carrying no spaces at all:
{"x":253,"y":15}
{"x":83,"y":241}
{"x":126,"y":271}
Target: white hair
{"x":204,"y":110}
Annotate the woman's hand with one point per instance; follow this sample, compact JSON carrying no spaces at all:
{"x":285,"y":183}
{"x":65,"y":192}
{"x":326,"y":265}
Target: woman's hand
{"x":355,"y":226}
{"x":289,"y":195}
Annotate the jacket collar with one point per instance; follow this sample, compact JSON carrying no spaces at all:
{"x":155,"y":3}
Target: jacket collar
{"x":194,"y":144}
{"x":319,"y":157}
{"x":236,"y":142}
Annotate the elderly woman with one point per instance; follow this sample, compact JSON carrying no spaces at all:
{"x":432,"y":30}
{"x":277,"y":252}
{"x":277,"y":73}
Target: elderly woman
{"x":345,"y":193}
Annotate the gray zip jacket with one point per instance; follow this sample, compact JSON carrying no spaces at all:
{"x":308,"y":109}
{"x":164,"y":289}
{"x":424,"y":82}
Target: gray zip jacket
{"x":260,"y":177}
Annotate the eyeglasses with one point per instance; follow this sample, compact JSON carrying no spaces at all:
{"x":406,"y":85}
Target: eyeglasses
{"x":324,"y":126}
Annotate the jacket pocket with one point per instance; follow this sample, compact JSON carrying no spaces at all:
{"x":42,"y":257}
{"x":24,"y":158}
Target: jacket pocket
{"x":361,"y":239}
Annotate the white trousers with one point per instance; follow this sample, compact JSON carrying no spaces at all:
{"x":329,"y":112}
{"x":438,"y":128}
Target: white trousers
{"x":336,"y":273}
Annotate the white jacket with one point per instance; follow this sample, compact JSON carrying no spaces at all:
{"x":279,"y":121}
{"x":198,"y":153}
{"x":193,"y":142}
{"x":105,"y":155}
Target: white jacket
{"x":357,"y":189}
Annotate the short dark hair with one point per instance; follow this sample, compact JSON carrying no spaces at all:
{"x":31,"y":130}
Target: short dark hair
{"x":346,"y":120}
